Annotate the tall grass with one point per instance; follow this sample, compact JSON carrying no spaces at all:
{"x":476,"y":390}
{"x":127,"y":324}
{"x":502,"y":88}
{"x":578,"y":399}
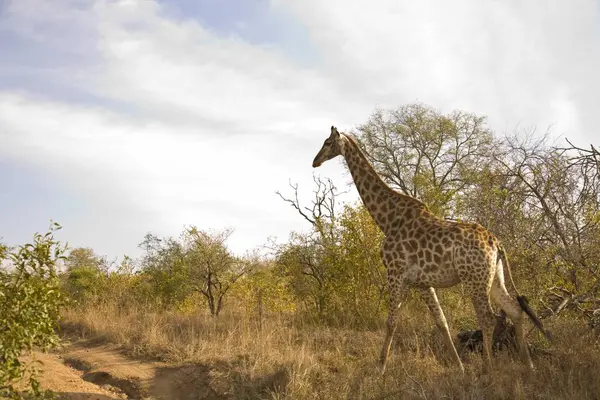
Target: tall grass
{"x":288,"y":357}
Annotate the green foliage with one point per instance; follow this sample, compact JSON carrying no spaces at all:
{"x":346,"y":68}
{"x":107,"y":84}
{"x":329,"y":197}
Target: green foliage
{"x":30,"y":299}
{"x":337,"y":273}
{"x":265,"y":291}
{"x":84,"y":257}
{"x":85,"y":283}
{"x":364,"y":291}
{"x":164,"y":270}
{"x":198,"y":262}
{"x":89,"y":281}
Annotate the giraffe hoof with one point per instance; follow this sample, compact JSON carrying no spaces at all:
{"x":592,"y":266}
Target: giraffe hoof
{"x":382,"y":369}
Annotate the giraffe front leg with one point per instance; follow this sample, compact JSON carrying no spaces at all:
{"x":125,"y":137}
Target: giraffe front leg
{"x":435,"y":308}
{"x":397,"y":294}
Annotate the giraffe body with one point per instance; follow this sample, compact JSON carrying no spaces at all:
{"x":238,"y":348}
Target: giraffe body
{"x":425,"y":252}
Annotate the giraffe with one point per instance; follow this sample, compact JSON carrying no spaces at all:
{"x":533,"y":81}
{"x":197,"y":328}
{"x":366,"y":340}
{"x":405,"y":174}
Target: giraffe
{"x":425,"y":252}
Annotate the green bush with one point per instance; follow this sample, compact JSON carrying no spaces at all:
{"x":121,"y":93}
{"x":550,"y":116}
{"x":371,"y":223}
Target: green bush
{"x":30,"y":299}
{"x":84,"y":284}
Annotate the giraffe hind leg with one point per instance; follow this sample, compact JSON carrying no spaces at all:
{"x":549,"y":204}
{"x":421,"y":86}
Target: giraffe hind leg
{"x":435,"y":308}
{"x":397,"y":294}
{"x":487,"y":321}
{"x":512,"y":308}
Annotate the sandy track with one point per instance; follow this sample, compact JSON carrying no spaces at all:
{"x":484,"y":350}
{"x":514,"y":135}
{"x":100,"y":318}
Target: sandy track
{"x":84,"y":371}
{"x":68,"y":382}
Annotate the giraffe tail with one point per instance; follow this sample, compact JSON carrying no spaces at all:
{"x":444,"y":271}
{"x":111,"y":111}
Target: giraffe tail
{"x":523,"y":301}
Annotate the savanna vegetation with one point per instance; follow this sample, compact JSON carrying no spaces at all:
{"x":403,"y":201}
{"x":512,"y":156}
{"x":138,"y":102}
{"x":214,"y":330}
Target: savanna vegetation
{"x":304,"y":319}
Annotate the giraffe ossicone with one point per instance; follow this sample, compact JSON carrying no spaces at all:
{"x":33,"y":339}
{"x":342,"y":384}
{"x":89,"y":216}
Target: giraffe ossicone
{"x":425,"y":252}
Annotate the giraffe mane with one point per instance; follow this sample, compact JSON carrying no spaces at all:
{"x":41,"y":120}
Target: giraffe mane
{"x":354,"y":143}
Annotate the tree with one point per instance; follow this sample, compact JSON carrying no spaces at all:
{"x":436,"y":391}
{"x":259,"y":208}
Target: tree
{"x":561,"y":202}
{"x":543,"y":202}
{"x":426,"y":154}
{"x":303,"y":261}
{"x":212,"y":269}
{"x":198,"y":261}
{"x":85,"y":274}
{"x":586,"y":161}
{"x":308,"y":258}
{"x":164,"y":266}
{"x":83,"y":257}
{"x":321,"y":214}
{"x":336,"y":269}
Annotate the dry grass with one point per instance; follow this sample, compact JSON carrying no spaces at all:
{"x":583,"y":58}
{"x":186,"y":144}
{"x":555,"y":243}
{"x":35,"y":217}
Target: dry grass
{"x":291,"y":359}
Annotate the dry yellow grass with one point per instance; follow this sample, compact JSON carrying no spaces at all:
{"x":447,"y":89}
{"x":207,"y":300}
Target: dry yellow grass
{"x":295,"y":360}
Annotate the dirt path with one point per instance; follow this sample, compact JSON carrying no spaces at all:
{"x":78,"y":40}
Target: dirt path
{"x":83,"y":371}
{"x":68,"y":382}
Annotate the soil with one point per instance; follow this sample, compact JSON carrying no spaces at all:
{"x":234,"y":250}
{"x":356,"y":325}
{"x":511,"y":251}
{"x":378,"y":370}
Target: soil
{"x":86,"y":371}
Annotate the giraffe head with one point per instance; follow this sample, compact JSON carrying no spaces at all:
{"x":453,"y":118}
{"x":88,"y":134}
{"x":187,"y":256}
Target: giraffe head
{"x":331,"y":148}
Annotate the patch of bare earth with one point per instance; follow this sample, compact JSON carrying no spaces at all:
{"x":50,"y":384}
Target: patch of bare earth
{"x":68,"y":382}
{"x":85,"y":370}
{"x":106,"y":365}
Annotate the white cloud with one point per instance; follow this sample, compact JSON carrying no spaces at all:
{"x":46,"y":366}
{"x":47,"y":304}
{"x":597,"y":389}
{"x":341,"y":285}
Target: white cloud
{"x":200,"y":129}
{"x":211,"y":129}
{"x":166,"y":177}
{"x":510,"y":60}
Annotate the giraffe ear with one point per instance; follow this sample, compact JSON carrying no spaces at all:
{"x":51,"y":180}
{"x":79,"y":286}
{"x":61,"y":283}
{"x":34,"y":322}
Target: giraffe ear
{"x":334,"y":131}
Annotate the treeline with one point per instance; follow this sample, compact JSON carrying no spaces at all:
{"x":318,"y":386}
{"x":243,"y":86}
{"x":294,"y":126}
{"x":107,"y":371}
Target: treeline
{"x":540,"y":199}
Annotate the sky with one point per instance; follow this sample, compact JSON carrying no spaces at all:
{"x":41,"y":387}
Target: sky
{"x":123,"y":117}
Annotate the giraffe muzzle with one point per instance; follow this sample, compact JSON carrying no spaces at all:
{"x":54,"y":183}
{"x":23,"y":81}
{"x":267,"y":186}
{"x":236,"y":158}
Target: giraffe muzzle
{"x":318,"y":159}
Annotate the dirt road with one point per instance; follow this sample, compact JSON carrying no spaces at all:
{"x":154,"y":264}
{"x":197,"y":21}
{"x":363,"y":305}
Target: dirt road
{"x":84,"y":371}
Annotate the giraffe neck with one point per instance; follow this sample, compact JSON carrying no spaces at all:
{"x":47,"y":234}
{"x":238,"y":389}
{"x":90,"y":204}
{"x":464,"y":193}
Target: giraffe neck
{"x":386,"y":206}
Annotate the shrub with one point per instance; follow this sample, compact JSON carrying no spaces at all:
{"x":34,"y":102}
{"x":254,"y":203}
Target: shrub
{"x":30,"y":300}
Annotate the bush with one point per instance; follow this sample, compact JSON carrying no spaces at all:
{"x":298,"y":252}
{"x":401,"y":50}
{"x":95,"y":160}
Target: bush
{"x":30,"y":299}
